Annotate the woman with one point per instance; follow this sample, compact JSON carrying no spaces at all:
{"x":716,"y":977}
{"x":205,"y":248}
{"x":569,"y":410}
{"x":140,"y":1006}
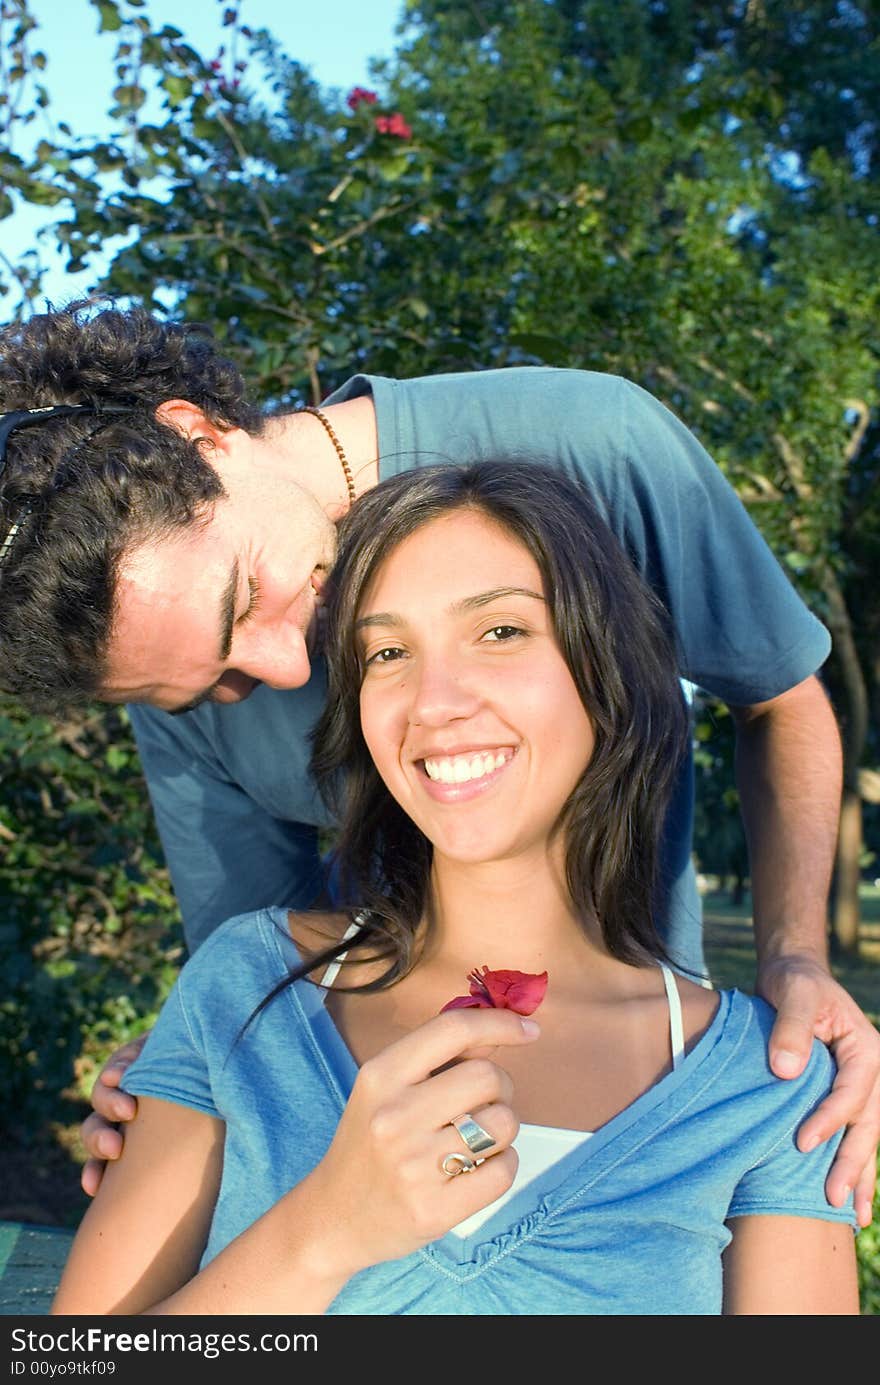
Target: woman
{"x":502,"y":730}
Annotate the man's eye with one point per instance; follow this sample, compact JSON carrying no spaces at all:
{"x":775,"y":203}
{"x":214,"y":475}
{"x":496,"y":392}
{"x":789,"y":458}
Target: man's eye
{"x":499,"y":633}
{"x":254,"y":589}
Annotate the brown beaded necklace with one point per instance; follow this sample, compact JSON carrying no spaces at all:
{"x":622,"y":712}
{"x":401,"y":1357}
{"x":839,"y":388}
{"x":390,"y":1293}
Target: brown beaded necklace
{"x":322,"y":418}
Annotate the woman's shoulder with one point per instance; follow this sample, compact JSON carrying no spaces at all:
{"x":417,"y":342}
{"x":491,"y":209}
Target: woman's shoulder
{"x":696,"y":999}
{"x":262,"y":945}
{"x":245,"y":951}
{"x":743,"y":1023}
{"x":313,"y":932}
{"x":751,"y":1020}
{"x":234,"y":934}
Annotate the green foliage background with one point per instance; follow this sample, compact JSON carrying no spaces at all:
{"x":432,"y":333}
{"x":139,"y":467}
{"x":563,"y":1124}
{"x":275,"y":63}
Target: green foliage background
{"x":90,"y":939}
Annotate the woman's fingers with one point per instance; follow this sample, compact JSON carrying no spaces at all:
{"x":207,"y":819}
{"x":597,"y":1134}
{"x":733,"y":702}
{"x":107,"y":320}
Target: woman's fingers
{"x":383,"y":1174}
{"x":497,"y":1123}
{"x":435,"y":1102}
{"x":441,"y":1040}
{"x":467,"y":1193}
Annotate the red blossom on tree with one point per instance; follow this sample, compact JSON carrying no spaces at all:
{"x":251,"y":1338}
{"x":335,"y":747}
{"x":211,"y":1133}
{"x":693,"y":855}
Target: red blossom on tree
{"x":393,"y":125}
{"x":361,"y":95}
{"x":521,"y":991}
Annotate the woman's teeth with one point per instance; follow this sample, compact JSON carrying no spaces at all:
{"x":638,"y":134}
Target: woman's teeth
{"x":460,"y":769}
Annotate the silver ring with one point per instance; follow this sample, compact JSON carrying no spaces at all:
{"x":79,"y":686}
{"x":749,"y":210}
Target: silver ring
{"x":454,"y":1164}
{"x":475,"y":1137}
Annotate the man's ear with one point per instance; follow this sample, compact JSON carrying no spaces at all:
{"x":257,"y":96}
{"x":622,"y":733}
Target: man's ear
{"x":189,"y":419}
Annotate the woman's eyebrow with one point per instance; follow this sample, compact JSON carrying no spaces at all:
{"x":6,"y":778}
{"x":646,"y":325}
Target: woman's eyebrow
{"x":467,"y":603}
{"x":470,"y":603}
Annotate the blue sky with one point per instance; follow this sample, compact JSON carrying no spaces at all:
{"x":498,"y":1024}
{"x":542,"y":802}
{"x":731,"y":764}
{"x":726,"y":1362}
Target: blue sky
{"x":335,"y":40}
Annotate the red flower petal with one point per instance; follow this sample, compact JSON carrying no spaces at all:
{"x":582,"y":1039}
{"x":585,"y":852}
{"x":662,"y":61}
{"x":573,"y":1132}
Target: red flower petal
{"x":361,"y":94}
{"x":468,"y":1002}
{"x":521,"y":991}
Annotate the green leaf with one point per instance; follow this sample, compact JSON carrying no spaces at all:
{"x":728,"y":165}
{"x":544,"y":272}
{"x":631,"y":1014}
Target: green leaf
{"x":798,"y":562}
{"x":110,"y":17}
{"x":129,"y":96}
{"x":691,"y":118}
{"x":638,"y":129}
{"x":177,"y":88}
{"x":41,"y":194}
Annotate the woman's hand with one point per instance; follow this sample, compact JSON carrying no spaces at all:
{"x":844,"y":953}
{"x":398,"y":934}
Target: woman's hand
{"x":382,"y":1177}
{"x":378,"y":1194}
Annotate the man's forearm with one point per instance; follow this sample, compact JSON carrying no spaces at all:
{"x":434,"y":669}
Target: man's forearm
{"x":788,"y":772}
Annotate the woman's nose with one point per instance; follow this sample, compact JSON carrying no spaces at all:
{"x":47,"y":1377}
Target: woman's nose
{"x":441,"y":692}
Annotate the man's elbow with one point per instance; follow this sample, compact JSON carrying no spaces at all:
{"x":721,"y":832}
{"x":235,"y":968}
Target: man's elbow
{"x":807,"y":704}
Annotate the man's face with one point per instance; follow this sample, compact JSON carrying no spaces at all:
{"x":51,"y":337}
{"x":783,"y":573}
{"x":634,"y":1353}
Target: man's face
{"x":211,"y":611}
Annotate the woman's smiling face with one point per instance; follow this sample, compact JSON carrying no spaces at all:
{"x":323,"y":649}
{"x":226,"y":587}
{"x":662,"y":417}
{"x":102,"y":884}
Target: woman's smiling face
{"x":468,"y":707}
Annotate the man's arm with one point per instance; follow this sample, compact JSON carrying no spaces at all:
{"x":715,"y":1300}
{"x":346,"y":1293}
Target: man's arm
{"x":789,"y":777}
{"x":788,"y":770}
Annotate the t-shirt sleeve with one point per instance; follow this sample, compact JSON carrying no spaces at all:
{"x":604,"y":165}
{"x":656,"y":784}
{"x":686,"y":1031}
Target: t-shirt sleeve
{"x":173,"y":1064}
{"x":743,"y":631}
{"x":786,"y":1181}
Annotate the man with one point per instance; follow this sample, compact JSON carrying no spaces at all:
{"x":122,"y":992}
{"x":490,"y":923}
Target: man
{"x":166,"y":546}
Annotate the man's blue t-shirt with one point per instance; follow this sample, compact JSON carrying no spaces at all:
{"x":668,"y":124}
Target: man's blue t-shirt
{"x":631,"y":1222}
{"x":237,"y":811}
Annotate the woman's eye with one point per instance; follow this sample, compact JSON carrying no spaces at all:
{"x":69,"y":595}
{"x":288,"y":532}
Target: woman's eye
{"x":253,"y":603}
{"x":500,"y":633}
{"x":384,"y":656}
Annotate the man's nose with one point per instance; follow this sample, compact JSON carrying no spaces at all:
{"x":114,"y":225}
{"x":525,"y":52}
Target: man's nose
{"x":280,"y":659}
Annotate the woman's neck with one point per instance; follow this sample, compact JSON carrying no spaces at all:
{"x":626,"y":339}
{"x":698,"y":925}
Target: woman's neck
{"x":509,"y":914}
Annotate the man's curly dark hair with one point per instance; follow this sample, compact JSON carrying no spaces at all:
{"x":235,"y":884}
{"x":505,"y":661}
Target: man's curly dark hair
{"x":82,"y":490}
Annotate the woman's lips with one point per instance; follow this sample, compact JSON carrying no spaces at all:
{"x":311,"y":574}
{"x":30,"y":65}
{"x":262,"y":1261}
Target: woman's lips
{"x":457,"y":778}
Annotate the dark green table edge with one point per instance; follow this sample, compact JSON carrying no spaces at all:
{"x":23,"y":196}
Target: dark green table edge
{"x":31,"y":1261}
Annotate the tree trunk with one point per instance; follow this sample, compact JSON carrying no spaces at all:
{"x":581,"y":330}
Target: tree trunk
{"x":851,"y":704}
{"x":846,"y":914}
{"x":853,"y":717}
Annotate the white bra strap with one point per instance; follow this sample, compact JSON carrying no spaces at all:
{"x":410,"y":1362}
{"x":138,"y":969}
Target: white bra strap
{"x":332,"y":971}
{"x":676,"y":1028}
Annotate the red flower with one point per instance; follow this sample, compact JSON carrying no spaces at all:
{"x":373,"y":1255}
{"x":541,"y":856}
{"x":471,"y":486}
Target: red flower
{"x":521,"y":991}
{"x":361,"y":94}
{"x":393,"y":125}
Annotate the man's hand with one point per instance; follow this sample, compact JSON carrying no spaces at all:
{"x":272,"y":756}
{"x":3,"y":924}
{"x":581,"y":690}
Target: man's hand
{"x":98,"y":1132}
{"x":809,"y":1002}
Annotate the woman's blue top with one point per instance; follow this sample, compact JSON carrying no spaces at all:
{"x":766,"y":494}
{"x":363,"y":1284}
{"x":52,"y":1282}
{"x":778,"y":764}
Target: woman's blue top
{"x":631,"y":1222}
